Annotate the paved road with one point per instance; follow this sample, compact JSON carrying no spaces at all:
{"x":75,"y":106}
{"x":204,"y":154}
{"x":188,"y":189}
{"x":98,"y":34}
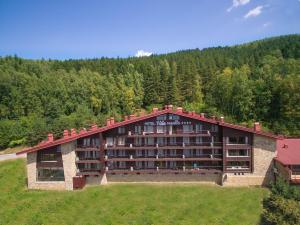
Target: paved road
{"x":11,"y":156}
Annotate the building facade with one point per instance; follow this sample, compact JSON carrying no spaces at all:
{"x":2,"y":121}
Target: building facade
{"x":167,"y":145}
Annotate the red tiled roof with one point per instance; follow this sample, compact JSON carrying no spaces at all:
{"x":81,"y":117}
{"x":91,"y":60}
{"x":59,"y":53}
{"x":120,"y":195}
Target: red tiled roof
{"x":288,"y":151}
{"x":192,"y":115}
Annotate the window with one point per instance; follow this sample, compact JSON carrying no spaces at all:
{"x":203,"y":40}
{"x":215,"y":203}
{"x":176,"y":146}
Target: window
{"x":161,"y":141}
{"x":138,"y":129}
{"x":162,"y":117}
{"x":148,"y":129}
{"x":149,"y":141}
{"x":110,"y":141}
{"x":50,"y":174}
{"x":161,"y":129}
{"x":199,"y":140}
{"x":186,"y":140}
{"x":121,"y":141}
{"x":121,"y":130}
{"x":138,"y":141}
{"x":238,"y":140}
{"x":172,"y":140}
{"x":198,"y":127}
{"x":238,"y":165}
{"x":237,"y":153}
{"x":173,"y":117}
{"x":187,"y":128}
{"x":49,"y":155}
{"x":214,"y":128}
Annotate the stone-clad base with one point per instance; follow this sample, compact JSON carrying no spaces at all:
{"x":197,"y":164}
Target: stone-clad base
{"x":213,"y":178}
{"x":232,"y":180}
{"x":57,"y":185}
{"x":100,"y":180}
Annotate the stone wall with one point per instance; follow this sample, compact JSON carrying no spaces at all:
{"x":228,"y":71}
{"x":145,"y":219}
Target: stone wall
{"x":32,"y":176}
{"x":264,"y":151}
{"x":69,"y":157}
{"x":207,"y":178}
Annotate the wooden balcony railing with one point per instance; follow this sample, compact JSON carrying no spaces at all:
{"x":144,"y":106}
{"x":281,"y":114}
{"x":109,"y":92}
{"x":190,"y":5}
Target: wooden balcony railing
{"x":180,"y":145}
{"x":178,"y":133}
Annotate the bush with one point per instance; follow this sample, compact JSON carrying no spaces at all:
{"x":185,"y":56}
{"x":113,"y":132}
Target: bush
{"x":281,"y":211}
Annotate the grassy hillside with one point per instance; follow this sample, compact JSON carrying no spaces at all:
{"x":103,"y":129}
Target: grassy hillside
{"x":125,"y":204}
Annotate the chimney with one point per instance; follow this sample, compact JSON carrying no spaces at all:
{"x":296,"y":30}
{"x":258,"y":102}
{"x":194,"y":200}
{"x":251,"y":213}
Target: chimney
{"x":112,"y":120}
{"x":66,"y":134}
{"x":155,"y":110}
{"x":202,"y":115}
{"x":179,"y":110}
{"x":94,"y":127}
{"x":125,"y":118}
{"x":73,"y":132}
{"x":50,"y":137}
{"x":257,"y":126}
{"x":83,"y":130}
{"x":108,"y":122}
{"x":166,"y":107}
{"x":132,"y":116}
{"x":213,"y":117}
{"x":170,"y":107}
{"x":222,"y":119}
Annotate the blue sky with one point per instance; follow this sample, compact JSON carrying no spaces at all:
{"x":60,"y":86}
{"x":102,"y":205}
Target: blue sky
{"x":61,"y":29}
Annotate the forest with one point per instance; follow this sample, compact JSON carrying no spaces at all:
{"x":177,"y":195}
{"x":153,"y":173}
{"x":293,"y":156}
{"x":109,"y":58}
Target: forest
{"x":256,"y":81}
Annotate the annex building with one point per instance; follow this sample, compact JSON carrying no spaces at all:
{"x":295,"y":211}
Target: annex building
{"x":168,"y":145}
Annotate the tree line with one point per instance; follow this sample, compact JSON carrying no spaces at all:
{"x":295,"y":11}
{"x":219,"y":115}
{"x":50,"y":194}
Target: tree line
{"x":257,"y":81}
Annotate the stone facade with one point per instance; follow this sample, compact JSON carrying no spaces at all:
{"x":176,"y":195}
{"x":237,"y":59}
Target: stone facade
{"x":32,"y":176}
{"x":69,"y":157}
{"x":193,"y":178}
{"x":264,"y":151}
{"x":96,"y":180}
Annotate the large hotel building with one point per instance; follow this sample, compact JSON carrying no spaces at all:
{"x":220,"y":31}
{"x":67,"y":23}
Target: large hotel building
{"x":168,"y":145}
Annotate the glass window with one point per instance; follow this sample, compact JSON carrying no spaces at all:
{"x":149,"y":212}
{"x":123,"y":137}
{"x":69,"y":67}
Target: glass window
{"x":214,"y":128}
{"x":161,"y":129}
{"x":186,"y":140}
{"x":198,"y":127}
{"x":161,"y":140}
{"x":238,"y":152}
{"x":50,"y":174}
{"x":149,"y":141}
{"x":138,"y":129}
{"x":199,"y":140}
{"x":148,"y":129}
{"x":173,"y":117}
{"x":110,"y":141}
{"x":121,"y":130}
{"x":138,"y":141}
{"x":187,"y":128}
{"x":162,"y":117}
{"x":172,"y":140}
{"x":121,"y":141}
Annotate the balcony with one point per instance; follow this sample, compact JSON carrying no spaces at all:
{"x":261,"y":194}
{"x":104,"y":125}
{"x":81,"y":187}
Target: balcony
{"x":173,"y":145}
{"x":202,"y":157}
{"x":238,"y":146}
{"x":85,"y":148}
{"x":165,"y":170}
{"x":178,"y":133}
{"x":89,"y":172}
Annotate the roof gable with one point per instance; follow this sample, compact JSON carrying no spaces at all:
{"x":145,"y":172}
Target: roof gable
{"x":111,"y":124}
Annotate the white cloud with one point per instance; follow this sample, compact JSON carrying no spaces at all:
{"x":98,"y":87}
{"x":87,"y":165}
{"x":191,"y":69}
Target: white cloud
{"x":141,"y":53}
{"x":237,"y":3}
{"x":254,"y":12}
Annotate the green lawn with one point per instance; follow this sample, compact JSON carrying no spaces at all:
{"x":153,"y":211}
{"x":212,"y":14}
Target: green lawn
{"x":125,"y":204}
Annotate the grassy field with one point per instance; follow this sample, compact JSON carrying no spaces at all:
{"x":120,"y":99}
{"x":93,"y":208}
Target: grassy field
{"x":125,"y":204}
{"x":12,"y":150}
